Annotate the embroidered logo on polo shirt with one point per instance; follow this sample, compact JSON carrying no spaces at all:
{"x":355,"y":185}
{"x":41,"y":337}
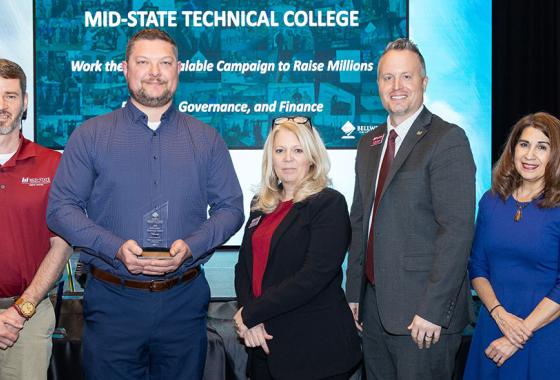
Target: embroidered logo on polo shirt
{"x":35,"y":181}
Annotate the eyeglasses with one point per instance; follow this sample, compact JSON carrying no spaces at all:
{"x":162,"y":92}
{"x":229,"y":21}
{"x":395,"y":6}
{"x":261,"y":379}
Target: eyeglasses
{"x":301,"y":120}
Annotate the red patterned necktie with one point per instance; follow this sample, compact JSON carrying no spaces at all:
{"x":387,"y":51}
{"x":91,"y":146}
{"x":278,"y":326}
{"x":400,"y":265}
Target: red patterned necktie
{"x":385,"y":167}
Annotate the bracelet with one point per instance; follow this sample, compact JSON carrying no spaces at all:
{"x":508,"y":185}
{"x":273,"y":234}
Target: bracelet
{"x":494,"y":308}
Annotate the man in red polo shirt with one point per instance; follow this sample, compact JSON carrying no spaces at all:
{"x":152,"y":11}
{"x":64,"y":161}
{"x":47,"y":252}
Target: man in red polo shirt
{"x":31,"y":257}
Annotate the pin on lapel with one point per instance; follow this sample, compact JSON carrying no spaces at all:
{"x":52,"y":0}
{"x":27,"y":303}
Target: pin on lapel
{"x":418,"y":133}
{"x":377,"y":140}
{"x":255,"y":221}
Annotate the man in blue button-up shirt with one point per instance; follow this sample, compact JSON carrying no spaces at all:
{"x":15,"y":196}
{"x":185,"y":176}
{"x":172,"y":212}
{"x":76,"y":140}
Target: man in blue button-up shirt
{"x":145,"y":318}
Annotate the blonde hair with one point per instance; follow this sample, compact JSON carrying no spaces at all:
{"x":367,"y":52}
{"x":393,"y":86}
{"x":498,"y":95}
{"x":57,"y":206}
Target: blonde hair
{"x":270,"y":190}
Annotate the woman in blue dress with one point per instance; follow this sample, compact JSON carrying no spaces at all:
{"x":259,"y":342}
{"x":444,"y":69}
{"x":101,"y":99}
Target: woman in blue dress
{"x":515,"y":264}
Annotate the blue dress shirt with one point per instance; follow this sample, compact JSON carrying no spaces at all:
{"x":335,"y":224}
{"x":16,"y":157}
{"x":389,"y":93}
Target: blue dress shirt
{"x":115,"y":169}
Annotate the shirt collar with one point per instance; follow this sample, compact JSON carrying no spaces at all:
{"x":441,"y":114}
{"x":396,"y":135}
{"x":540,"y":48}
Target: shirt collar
{"x":25,"y":150}
{"x":403,"y":128}
{"x":137,"y":115}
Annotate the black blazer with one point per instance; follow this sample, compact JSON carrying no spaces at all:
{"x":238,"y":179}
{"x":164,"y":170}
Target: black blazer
{"x":302,"y":304}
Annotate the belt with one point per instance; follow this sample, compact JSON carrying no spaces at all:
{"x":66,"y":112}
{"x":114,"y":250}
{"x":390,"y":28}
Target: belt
{"x":153,"y":286}
{"x":7,"y":302}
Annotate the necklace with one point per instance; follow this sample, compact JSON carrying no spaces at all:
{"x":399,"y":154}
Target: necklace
{"x":519,"y":212}
{"x":521,"y":206}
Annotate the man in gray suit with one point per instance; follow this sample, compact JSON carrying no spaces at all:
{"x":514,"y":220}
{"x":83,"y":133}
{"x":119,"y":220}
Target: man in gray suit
{"x":412,"y":226}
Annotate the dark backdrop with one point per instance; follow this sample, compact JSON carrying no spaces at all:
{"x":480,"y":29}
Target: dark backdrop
{"x":525,"y":63}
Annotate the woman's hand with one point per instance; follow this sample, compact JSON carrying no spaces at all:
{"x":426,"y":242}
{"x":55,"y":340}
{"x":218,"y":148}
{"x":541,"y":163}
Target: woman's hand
{"x":355,"y":308}
{"x":257,"y":337}
{"x":240,"y":327}
{"x":513,"y":327}
{"x":500,"y":350}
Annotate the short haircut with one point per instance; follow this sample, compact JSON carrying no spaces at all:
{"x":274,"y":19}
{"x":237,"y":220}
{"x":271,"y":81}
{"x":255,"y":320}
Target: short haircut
{"x":11,"y":70}
{"x":150,"y":35}
{"x":505,"y":178}
{"x":405,"y":44}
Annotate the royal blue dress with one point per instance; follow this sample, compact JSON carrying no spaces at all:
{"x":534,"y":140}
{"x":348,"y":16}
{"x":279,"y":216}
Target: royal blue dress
{"x":521,"y":261}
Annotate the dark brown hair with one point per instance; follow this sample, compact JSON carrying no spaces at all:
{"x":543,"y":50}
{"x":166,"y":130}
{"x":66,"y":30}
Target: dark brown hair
{"x":11,"y":70}
{"x":151,"y":35}
{"x":505,"y":178}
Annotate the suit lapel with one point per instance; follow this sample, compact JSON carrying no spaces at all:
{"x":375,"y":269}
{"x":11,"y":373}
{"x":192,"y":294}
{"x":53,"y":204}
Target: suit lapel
{"x":416,"y":132}
{"x":257,"y":216}
{"x":288,"y":220}
{"x":372,"y":166}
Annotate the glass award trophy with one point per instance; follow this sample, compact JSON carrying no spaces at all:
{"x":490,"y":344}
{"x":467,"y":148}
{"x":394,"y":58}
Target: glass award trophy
{"x":154,"y":233}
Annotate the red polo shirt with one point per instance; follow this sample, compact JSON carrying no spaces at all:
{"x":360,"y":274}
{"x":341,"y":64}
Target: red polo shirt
{"x":25,"y":180}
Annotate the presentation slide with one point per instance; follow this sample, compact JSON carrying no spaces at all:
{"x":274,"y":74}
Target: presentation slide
{"x":245,"y":63}
{"x":242,"y":63}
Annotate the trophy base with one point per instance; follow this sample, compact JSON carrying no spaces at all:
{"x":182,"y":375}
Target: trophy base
{"x":155,"y":253}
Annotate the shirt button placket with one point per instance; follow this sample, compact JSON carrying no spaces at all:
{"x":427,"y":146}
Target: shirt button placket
{"x":156,"y":169}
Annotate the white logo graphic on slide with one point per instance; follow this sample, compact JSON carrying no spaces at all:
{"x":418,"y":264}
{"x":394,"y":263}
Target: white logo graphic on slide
{"x":348,"y":128}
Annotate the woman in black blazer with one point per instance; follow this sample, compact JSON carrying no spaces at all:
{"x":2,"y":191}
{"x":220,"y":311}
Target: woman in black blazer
{"x":293,"y":314}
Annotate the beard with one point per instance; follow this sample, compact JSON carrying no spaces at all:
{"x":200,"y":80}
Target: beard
{"x":7,"y":127}
{"x":151,"y":101}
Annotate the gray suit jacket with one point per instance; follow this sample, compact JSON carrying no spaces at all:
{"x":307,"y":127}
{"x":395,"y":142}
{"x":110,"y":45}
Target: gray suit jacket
{"x":423,"y":228}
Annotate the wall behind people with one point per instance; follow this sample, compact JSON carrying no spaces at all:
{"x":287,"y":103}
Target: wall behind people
{"x":525,"y":71}
{"x":16,"y":44}
{"x":457,"y":49}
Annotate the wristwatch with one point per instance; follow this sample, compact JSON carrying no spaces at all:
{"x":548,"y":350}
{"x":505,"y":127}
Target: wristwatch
{"x":25,"y":308}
